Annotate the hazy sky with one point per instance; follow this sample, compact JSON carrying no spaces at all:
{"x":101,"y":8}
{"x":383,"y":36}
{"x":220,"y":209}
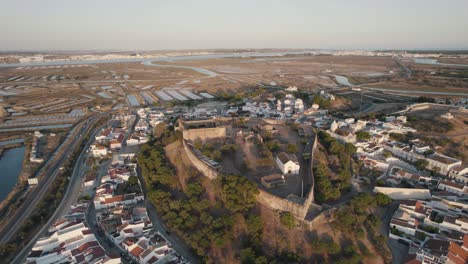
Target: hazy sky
{"x":198,"y":24}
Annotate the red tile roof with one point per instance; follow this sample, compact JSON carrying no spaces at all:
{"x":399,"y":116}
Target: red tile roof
{"x":136,"y":251}
{"x":457,"y":254}
{"x":84,"y":247}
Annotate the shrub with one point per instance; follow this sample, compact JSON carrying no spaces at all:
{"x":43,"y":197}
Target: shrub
{"x":287,"y":220}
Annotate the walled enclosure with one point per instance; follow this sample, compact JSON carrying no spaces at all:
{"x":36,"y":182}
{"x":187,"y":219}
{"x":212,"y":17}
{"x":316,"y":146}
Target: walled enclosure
{"x":299,"y":210}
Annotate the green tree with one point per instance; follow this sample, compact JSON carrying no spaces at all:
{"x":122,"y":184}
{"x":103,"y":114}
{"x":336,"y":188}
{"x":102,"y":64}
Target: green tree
{"x":133,"y":180}
{"x":288,"y":220}
{"x":254,"y":225}
{"x":247,"y":256}
{"x":382,"y":199}
{"x":421,"y":164}
{"x":238,"y":193}
{"x":387,"y":154}
{"x":363,"y":135}
{"x":160,"y":130}
{"x":291,"y":148}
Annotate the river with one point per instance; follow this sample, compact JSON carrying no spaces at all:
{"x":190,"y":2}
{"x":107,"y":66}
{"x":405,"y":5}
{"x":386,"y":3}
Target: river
{"x":11,"y":163}
{"x":435,"y":62}
{"x":165,"y":59}
{"x":343,"y":80}
{"x":200,"y":70}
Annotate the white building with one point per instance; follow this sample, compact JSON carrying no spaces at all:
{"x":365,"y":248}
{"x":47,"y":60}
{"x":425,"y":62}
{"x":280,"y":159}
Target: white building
{"x":456,"y":188}
{"x":447,"y":115}
{"x":288,"y":164}
{"x":298,"y":106}
{"x":98,"y":150}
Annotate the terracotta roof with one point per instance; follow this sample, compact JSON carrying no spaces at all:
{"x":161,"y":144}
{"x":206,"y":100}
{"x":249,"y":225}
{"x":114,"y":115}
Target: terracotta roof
{"x":106,"y":132}
{"x":59,"y":222}
{"x":411,"y":259}
{"x":96,"y":252}
{"x":87,"y":232}
{"x":118,"y":198}
{"x":459,"y":168}
{"x":457,"y":254}
{"x":284,"y":157}
{"x":452,"y":184}
{"x":122,"y":226}
{"x":121,"y":138}
{"x":136,"y":251}
{"x":409,"y":202}
{"x":129,"y":241}
{"x":442,"y":159}
{"x":420,"y":208}
{"x":153,"y":260}
{"x":84,"y":247}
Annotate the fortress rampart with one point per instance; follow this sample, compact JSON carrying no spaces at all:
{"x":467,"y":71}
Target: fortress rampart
{"x":298,"y":208}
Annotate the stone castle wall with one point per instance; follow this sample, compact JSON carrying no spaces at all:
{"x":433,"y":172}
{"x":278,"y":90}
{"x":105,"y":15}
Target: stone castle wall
{"x":200,"y":165}
{"x":277,"y":203}
{"x":204,"y":133}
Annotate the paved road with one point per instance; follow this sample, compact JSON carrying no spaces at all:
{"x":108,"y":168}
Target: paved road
{"x":49,"y":173}
{"x":399,"y":250}
{"x":90,"y":219}
{"x":108,"y":245}
{"x":71,"y":194}
{"x":403,"y":67}
{"x":412,"y":91}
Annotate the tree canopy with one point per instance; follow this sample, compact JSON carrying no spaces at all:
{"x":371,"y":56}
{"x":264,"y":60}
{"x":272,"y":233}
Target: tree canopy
{"x":238,"y":193}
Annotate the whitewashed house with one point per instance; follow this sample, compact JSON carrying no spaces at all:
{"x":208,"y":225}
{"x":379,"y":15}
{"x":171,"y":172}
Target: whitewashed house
{"x":287,"y":163}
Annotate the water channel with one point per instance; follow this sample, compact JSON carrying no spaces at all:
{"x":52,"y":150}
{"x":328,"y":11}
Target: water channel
{"x":11,"y":161}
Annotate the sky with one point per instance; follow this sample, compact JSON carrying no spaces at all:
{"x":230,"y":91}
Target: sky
{"x":209,"y":24}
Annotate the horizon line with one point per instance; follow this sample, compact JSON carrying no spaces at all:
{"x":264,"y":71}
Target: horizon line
{"x":230,"y":49}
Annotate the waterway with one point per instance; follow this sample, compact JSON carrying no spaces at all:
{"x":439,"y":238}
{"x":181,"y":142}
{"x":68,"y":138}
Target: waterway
{"x":343,"y":80}
{"x":435,"y":62}
{"x":165,"y":58}
{"x":200,"y":70}
{"x":36,"y":128}
{"x":11,"y":142}
{"x":11,"y":163}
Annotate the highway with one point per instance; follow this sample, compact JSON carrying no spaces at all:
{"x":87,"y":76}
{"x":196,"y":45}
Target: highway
{"x":70,"y":196}
{"x":47,"y":175}
{"x":403,"y":67}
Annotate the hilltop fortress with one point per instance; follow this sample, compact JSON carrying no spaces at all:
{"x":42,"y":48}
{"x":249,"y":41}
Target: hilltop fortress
{"x":222,"y":128}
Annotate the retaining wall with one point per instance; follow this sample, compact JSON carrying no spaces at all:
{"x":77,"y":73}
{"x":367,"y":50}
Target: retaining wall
{"x":404,"y":193}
